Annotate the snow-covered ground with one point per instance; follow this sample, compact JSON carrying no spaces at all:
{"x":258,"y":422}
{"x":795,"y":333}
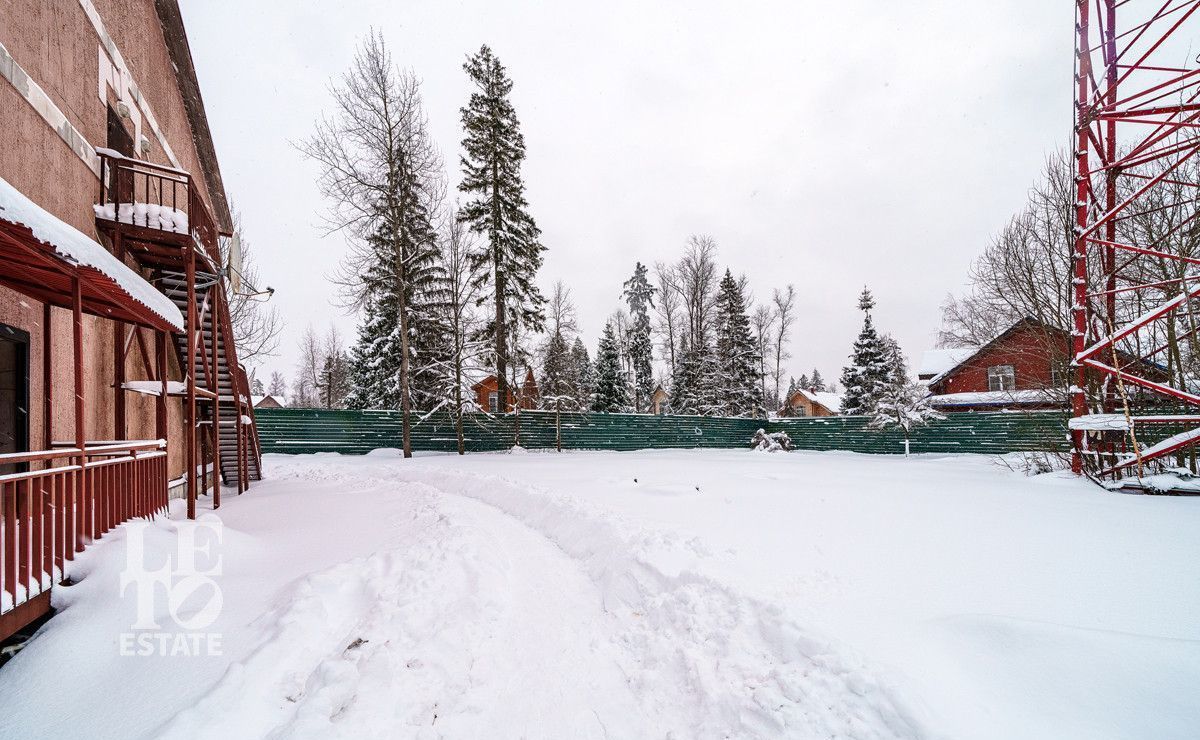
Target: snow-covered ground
{"x":653,"y":594}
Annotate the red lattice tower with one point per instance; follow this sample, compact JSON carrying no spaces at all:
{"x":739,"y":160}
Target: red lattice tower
{"x":1137,"y":125}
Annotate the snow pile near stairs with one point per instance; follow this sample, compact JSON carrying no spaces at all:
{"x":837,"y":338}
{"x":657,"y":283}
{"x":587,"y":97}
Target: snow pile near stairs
{"x":508,"y":612}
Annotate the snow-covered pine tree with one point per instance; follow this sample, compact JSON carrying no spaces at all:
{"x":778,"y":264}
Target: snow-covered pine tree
{"x":802,"y":383}
{"x":418,"y":290}
{"x":493,"y":152}
{"x":257,"y":388}
{"x":558,"y":387}
{"x":904,"y":407}
{"x":736,"y":391}
{"x":685,"y":381}
{"x":897,"y":365}
{"x":868,"y":374}
{"x":816,"y":383}
{"x":610,"y":395}
{"x":583,"y":376}
{"x":639,"y":295}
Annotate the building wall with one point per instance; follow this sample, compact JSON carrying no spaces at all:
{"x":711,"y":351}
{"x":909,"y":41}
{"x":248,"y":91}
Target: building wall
{"x":60,"y":49}
{"x":1032,"y":352}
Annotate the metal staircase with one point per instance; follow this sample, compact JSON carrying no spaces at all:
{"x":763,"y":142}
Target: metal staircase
{"x":228,"y":386}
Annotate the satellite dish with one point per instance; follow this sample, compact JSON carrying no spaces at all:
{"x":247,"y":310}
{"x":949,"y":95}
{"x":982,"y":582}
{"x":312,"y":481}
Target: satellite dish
{"x":235,"y":263}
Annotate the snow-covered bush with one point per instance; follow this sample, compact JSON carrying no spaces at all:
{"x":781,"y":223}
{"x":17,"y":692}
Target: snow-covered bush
{"x":904,"y":407}
{"x":771,"y":441}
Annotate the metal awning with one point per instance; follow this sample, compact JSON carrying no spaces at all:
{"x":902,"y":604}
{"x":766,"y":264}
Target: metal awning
{"x":41,"y":257}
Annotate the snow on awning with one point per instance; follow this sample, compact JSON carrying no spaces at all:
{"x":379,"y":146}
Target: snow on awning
{"x":41,"y":254}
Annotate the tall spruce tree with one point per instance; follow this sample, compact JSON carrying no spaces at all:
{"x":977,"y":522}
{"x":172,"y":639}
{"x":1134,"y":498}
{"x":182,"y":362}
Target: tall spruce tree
{"x":639,"y":295}
{"x":417,"y":293}
{"x":582,"y":374}
{"x":736,"y":391}
{"x":610,"y":395}
{"x":685,"y":381}
{"x":816,"y":383}
{"x":868,"y":375}
{"x":491,"y":163}
{"x":897,"y":365}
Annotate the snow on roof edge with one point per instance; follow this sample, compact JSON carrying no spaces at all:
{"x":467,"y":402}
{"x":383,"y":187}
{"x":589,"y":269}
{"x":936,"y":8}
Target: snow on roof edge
{"x":76,"y":247}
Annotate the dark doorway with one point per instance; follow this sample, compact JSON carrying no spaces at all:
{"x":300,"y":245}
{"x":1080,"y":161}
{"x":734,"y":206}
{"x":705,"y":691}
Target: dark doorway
{"x":120,"y":182}
{"x":118,"y":136}
{"x":14,"y":394}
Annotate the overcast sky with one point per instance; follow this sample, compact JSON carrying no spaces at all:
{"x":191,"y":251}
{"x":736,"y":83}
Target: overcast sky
{"x":825,"y":144}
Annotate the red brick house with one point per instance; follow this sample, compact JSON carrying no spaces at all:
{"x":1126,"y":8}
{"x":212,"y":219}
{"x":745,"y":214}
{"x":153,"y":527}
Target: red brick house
{"x":1026,"y":367}
{"x":487,"y":392}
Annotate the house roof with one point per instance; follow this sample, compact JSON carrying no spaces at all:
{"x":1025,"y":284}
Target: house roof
{"x":1023,"y":323}
{"x":935,"y":362}
{"x":189,"y":86}
{"x":830,"y":401}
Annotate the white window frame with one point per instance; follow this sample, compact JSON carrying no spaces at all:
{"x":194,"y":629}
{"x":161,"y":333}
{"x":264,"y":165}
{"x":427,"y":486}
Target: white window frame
{"x":493,"y":401}
{"x":997,"y":376}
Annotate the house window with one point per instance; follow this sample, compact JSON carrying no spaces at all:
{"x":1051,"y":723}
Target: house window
{"x":493,"y":397}
{"x":1002,"y":378}
{"x":14,"y":394}
{"x":1058,"y":377}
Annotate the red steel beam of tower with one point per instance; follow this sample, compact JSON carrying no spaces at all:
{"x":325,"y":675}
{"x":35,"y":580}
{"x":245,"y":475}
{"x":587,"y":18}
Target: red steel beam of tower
{"x":1136,"y":261}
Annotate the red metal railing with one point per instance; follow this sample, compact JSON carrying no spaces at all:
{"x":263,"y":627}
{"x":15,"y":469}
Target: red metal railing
{"x":127,"y":183}
{"x":49,"y":515}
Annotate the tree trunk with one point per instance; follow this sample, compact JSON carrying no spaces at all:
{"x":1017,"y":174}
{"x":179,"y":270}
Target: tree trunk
{"x":458,"y":406}
{"x":501,"y":327}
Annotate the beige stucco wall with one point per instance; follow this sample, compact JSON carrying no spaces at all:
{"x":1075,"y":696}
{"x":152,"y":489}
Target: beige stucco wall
{"x":57,"y":46}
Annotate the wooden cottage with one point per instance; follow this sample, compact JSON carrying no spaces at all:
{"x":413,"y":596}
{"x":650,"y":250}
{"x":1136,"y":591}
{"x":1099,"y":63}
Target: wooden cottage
{"x":487,"y":394}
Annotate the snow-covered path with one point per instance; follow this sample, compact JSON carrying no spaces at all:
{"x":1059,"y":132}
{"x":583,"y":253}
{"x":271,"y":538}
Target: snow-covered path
{"x":501,"y":612}
{"x":660,"y":594}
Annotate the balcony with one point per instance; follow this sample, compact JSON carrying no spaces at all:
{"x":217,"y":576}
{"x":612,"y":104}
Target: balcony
{"x":154,"y":212}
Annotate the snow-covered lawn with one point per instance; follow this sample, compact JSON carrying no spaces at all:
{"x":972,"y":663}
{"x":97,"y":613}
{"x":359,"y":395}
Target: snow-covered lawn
{"x":653,"y":594}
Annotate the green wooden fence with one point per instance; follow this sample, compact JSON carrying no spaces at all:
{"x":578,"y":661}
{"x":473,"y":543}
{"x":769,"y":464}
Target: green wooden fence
{"x":358,"y":432}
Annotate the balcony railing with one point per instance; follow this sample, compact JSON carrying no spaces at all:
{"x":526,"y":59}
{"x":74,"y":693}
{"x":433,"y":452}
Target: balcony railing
{"x":154,"y":197}
{"x":49,"y":515}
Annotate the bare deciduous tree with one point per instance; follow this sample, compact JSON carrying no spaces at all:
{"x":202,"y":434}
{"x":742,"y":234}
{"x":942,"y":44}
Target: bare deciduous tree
{"x":382,"y":175}
{"x":465,"y":350}
{"x":763,"y":322}
{"x":785,"y":315}
{"x":667,"y":311}
{"x":256,"y":324}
